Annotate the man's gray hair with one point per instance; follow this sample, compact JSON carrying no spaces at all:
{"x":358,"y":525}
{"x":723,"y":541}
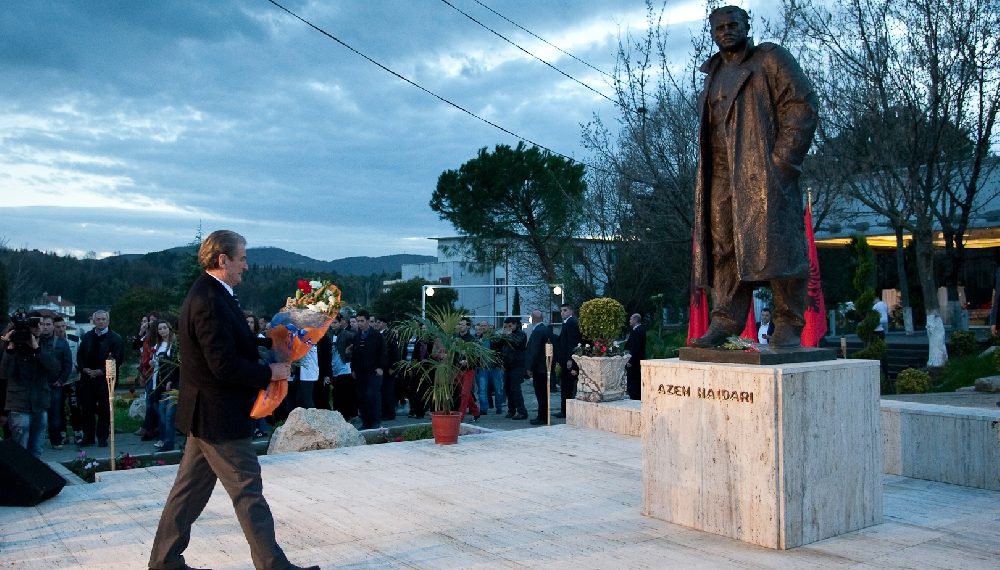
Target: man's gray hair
{"x":217,"y":243}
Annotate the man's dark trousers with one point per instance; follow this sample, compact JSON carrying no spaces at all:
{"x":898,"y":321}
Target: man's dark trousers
{"x":370,"y":399}
{"x":234,"y":463}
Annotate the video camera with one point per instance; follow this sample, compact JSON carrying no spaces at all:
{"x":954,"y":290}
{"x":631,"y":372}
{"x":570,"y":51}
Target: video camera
{"x":21,"y":336}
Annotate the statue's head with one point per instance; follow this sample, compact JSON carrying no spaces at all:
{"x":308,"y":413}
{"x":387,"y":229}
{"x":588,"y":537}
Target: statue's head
{"x":730,"y":27}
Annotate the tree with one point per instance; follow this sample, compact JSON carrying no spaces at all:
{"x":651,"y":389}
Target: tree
{"x":641,"y":192}
{"x":402,"y":300}
{"x":930,"y":70}
{"x":514,"y":198}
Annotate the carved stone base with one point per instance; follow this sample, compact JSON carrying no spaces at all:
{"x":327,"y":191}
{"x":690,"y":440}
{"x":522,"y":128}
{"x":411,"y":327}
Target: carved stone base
{"x":601,"y":378}
{"x":777,"y":456}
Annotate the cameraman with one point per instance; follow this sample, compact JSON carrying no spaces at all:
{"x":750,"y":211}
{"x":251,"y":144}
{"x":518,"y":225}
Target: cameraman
{"x":28,"y":365}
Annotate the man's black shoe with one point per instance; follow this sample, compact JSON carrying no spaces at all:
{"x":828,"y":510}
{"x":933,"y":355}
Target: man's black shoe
{"x":537,"y":422}
{"x":294,"y":567}
{"x":559,"y":415}
{"x":510,"y":414}
{"x":520,"y":417}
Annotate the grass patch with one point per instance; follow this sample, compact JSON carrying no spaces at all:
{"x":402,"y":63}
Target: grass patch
{"x":418,"y":432}
{"x":962,"y":371}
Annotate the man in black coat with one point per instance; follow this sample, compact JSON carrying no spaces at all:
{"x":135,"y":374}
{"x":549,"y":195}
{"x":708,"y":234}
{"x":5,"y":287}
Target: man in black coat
{"x":221,"y":377}
{"x":99,"y":344}
{"x":368,"y":364}
{"x":566,"y":342}
{"x":635,"y":344}
{"x":534,"y":361}
{"x":513,"y":342}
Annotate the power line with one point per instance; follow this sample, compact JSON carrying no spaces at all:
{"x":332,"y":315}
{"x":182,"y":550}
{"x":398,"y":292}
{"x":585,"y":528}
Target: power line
{"x":420,"y":87}
{"x":452,"y":104}
{"x":536,"y":36}
{"x":504,"y":38}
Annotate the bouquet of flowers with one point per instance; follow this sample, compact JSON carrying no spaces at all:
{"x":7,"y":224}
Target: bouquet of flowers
{"x":296,"y":329}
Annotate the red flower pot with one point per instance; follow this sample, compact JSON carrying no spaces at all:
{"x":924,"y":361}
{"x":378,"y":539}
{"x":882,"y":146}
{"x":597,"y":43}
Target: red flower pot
{"x":445,"y":426}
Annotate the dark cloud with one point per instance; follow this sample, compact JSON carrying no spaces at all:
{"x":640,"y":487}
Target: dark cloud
{"x":234,"y":113}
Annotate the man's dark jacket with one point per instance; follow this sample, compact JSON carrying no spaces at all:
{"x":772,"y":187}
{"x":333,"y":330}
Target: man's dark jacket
{"x":368,"y":354}
{"x":534,"y":358}
{"x":60,"y":349}
{"x":512,"y":346}
{"x":220,"y":369}
{"x":636,"y":347}
{"x":94,"y":351}
{"x":567,"y":340}
{"x":27,"y":374}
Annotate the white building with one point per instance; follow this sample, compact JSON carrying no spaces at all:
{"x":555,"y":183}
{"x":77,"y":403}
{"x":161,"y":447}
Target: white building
{"x":54,"y":303}
{"x":487,"y":291}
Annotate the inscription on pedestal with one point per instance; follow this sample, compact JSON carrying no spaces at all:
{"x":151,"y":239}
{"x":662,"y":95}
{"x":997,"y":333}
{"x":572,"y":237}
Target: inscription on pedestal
{"x":705,"y":393}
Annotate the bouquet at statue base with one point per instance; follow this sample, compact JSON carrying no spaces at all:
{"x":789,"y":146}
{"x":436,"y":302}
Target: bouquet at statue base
{"x":297,"y":328}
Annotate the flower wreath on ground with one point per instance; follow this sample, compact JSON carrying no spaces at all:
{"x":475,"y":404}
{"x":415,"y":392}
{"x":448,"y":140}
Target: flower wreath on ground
{"x":302,"y":322}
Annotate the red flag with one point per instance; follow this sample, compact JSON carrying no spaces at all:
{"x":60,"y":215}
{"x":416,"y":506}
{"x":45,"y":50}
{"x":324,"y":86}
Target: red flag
{"x":750,"y":330}
{"x":698,"y":305}
{"x":698,"y":323}
{"x":815,"y":315}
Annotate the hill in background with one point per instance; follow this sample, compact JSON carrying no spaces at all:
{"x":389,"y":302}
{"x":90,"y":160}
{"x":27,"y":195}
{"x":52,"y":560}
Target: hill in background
{"x":360,"y":265}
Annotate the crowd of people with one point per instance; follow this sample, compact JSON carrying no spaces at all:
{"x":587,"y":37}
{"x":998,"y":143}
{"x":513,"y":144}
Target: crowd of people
{"x":58,"y":380}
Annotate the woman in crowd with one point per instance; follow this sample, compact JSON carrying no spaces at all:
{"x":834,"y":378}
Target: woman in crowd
{"x":258,"y":327}
{"x":165,"y":377}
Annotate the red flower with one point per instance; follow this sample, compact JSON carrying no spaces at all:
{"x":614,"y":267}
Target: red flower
{"x":304,"y":286}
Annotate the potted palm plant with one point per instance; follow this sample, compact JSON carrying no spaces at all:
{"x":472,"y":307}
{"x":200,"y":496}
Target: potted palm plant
{"x":442,"y":365}
{"x":600,"y":359}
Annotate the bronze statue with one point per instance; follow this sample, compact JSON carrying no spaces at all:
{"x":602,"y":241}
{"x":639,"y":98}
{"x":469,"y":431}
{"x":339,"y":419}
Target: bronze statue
{"x":758,"y":115}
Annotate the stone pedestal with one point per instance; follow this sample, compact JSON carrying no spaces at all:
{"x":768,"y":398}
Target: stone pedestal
{"x":777,"y":456}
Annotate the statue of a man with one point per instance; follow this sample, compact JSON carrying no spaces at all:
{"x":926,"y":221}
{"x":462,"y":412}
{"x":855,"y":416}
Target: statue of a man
{"x":758,"y":115}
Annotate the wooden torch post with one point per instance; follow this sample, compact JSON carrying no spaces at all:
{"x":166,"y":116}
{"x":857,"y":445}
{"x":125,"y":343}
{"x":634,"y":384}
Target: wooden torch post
{"x":111,"y":375}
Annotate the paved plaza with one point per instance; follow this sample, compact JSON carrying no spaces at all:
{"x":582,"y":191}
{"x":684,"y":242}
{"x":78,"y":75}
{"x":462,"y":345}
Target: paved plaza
{"x":550,"y":497}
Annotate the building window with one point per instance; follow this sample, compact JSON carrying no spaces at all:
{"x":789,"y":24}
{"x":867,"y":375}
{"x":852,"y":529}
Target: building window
{"x":499,"y":282}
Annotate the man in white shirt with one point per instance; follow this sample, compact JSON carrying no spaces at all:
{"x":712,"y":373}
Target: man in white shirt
{"x":883,"y":318}
{"x":765,"y":328}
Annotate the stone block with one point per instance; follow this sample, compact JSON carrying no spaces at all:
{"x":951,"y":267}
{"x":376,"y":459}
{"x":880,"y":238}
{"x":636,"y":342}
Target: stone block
{"x":949,"y":444}
{"x":777,"y":456}
{"x":622,"y":416}
{"x":988,"y":384}
{"x":309,"y":429}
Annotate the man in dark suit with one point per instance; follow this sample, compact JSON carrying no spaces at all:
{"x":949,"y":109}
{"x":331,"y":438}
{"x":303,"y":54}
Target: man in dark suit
{"x":765,"y":328}
{"x":566,"y":342}
{"x":534,"y":362}
{"x":635,"y":344}
{"x":368,"y":364}
{"x":221,"y":377}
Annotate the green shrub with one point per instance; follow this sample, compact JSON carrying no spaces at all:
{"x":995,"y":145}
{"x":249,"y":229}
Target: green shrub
{"x":963,"y":343}
{"x":873,"y":351}
{"x":602,"y":319}
{"x":913,"y":381}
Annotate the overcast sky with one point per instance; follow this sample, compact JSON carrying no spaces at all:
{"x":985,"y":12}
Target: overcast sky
{"x":126,"y":124}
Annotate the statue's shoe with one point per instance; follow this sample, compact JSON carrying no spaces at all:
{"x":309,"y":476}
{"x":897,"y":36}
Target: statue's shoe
{"x":715,"y":336}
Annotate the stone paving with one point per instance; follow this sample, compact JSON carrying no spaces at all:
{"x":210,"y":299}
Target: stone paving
{"x":551,"y":497}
